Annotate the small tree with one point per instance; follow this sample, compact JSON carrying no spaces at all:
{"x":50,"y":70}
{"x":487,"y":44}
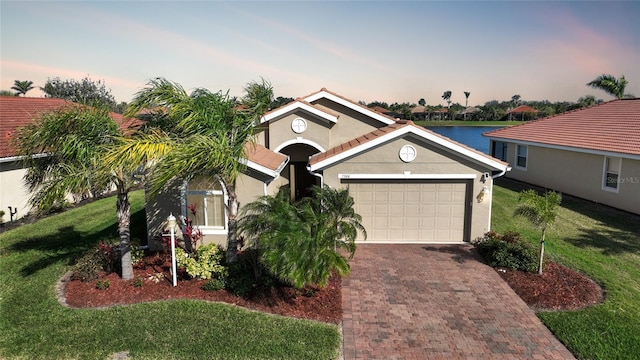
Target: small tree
{"x":541,"y":211}
{"x":85,"y":91}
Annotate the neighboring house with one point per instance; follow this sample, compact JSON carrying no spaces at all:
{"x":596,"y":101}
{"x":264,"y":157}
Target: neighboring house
{"x":409,"y":184}
{"x":591,"y":153}
{"x":523,"y":112}
{"x":16,"y":112}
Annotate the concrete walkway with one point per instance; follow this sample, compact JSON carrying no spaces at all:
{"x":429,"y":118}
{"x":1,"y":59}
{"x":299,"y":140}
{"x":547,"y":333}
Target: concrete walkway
{"x":436,"y":302}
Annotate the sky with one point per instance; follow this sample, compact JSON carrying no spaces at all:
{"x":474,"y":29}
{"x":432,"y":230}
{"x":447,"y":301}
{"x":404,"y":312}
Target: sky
{"x":390,"y":51}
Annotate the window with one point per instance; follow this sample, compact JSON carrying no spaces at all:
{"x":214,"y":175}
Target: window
{"x":612,"y":167}
{"x":407,"y":153}
{"x":499,"y":150}
{"x":521,"y":156}
{"x":298,"y":125}
{"x":206,"y":197}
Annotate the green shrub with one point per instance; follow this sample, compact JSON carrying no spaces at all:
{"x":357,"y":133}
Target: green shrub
{"x":138,"y":282}
{"x":214,"y":284}
{"x":103,"y":258}
{"x":508,"y":251}
{"x":205,"y":263}
{"x":102,"y":284}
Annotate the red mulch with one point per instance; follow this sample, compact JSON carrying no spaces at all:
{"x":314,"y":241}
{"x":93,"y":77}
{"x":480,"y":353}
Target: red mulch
{"x":311,"y":303}
{"x":558,"y":288}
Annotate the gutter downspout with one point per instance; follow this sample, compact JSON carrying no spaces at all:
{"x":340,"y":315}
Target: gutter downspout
{"x":493,"y":177}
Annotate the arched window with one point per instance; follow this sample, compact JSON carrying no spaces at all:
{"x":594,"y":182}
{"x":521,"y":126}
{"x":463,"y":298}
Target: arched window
{"x":205,"y":197}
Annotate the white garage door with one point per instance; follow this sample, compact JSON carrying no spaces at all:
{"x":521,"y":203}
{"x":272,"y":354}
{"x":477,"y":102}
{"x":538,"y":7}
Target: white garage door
{"x":411,"y":212}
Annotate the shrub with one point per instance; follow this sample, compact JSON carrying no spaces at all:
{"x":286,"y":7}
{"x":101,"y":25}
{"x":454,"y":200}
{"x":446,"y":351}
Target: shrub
{"x":102,"y":284}
{"x":508,"y":250}
{"x":103,"y":258}
{"x":138,"y":282}
{"x":205,"y":263}
{"x":214,"y":284}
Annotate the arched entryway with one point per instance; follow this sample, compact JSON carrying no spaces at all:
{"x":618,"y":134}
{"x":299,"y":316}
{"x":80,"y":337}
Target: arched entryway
{"x":300,"y":180}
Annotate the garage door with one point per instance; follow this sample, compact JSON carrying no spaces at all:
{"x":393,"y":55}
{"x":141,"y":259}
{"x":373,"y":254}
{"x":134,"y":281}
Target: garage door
{"x":411,"y":212}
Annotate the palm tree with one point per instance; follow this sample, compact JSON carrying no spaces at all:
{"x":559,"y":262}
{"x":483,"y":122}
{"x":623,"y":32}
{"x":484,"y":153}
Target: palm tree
{"x":611,"y":85}
{"x":466,"y":102}
{"x":447,"y":97}
{"x":541,"y":211}
{"x":21,"y":87}
{"x":301,"y":243}
{"x":208,"y":136}
{"x":76,"y":140}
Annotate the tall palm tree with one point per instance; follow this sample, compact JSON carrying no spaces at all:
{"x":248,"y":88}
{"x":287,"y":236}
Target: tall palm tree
{"x":76,"y":139}
{"x":541,"y":211}
{"x":208,"y":137}
{"x":447,"y":97}
{"x":609,"y":84}
{"x":21,"y":87}
{"x":466,"y":102}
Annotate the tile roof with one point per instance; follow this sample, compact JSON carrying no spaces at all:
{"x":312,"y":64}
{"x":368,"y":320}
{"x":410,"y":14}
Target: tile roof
{"x":398,"y":125}
{"x":613,"y":126}
{"x":354,"y":103}
{"x":16,"y":112}
{"x":524,"y":109}
{"x":264,"y":157}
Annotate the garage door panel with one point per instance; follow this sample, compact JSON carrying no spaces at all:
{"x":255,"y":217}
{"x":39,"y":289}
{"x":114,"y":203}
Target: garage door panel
{"x":406,"y":212}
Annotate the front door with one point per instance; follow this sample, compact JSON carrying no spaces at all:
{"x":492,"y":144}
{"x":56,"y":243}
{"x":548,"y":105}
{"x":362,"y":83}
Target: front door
{"x":301,"y":180}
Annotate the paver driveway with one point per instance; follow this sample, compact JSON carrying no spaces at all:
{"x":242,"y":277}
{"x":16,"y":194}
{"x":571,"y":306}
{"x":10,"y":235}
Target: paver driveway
{"x":436,"y":302}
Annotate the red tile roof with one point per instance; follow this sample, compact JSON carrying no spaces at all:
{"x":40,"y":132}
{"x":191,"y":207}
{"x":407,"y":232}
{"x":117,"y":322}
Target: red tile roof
{"x":523,"y":109}
{"x":264,"y":157}
{"x":613,"y":126}
{"x":16,"y":112}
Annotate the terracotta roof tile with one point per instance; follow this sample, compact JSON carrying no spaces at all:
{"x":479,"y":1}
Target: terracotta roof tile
{"x":16,"y":112}
{"x":264,"y":157}
{"x":612,"y":126}
{"x":523,"y":109}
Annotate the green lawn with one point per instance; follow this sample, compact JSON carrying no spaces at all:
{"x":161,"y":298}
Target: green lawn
{"x":603,"y":243}
{"x":33,"y":325}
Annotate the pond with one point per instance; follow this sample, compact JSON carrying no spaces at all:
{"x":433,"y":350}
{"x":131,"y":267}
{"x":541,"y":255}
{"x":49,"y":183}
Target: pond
{"x":467,"y":135}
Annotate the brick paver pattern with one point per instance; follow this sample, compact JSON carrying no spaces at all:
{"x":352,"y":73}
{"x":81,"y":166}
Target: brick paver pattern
{"x":436,"y":302}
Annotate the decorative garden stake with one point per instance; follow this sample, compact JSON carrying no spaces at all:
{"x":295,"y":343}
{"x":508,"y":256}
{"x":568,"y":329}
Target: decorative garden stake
{"x":172,"y":224}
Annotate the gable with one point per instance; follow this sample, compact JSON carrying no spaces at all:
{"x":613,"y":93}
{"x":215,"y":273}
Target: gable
{"x":408,"y":131}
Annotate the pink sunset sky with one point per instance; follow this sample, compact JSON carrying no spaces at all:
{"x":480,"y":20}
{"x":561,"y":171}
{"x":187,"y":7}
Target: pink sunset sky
{"x":366,"y":51}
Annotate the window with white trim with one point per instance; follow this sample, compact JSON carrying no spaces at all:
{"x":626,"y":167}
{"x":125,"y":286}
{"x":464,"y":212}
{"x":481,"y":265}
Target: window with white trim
{"x":206,"y":197}
{"x":298,"y":125}
{"x":611,"y":174}
{"x":521,"y":156}
{"x":407,"y":153}
{"x":499,"y":150}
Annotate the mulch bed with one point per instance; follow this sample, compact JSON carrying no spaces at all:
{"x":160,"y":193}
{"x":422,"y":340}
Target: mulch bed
{"x":558,"y":288}
{"x":310,"y":303}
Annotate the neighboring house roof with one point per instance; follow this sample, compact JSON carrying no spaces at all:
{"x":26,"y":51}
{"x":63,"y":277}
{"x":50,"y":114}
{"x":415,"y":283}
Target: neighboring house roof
{"x":16,"y":112}
{"x":418,"y":109}
{"x":470,"y":110}
{"x":380,"y":109}
{"x":264,"y":160}
{"x":393,"y":131}
{"x":523,"y":109}
{"x":613,"y":126}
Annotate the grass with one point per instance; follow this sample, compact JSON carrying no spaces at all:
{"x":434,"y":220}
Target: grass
{"x":33,"y":325}
{"x":466,"y":123}
{"x":601,"y":242}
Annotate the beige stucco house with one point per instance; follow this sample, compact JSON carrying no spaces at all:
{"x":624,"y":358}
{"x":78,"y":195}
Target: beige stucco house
{"x":591,"y":153}
{"x":409,"y":184}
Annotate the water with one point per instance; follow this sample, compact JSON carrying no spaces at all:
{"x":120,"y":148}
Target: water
{"x":467,"y":135}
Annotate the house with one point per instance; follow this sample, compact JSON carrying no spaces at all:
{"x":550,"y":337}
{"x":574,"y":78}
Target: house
{"x":410,"y":185}
{"x":591,"y":153}
{"x":523,"y":112}
{"x":16,"y":112}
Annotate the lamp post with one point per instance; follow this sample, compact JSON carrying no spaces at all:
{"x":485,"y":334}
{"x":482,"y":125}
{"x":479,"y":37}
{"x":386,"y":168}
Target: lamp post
{"x":172,"y":224}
